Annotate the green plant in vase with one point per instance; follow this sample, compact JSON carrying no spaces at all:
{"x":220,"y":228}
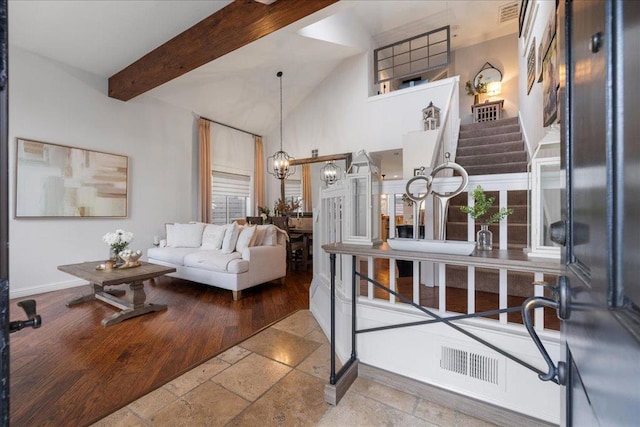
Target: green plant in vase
{"x":480,"y":213}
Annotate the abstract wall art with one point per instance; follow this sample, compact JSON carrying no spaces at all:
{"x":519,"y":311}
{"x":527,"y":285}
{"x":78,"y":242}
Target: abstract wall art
{"x":53,"y":180}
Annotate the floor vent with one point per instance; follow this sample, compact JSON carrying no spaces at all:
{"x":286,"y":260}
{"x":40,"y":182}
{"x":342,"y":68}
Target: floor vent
{"x":474,"y":365}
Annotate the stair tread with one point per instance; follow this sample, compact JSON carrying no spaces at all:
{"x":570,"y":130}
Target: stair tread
{"x":498,"y":147}
{"x":492,"y":159}
{"x":489,"y":131}
{"x":493,"y":123}
{"x":497,"y":168}
{"x":490,"y":139}
{"x":521,"y":195}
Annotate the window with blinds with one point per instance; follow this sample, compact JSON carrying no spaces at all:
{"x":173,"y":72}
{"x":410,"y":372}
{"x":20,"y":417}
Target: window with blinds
{"x":230,"y":195}
{"x":293,"y":191}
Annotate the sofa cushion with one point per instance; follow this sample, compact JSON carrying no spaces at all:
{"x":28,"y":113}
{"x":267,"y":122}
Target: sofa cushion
{"x":217,"y":261}
{"x":270,"y":235}
{"x":238,"y":266}
{"x":213,"y":236}
{"x":258,"y":236}
{"x":230,"y":238}
{"x":245,"y":238}
{"x":171,"y":255}
{"x":185,"y":235}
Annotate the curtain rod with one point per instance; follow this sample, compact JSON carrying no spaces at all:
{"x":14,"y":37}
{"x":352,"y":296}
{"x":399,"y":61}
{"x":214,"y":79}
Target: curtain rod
{"x":232,"y":127}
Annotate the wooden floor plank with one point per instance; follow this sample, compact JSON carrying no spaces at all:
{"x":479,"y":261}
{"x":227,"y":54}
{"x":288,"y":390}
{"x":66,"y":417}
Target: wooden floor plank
{"x":74,"y":371}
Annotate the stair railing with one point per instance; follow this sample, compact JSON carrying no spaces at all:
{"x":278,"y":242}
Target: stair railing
{"x":424,"y":274}
{"x":447,"y":138}
{"x":435,"y":274}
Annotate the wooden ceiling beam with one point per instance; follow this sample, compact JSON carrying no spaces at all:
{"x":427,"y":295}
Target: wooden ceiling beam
{"x":236,"y":25}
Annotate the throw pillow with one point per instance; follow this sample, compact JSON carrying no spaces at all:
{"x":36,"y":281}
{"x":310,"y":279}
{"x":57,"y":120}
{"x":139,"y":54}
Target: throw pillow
{"x":170,"y":234}
{"x":213,"y":236}
{"x":230,"y":238}
{"x":270,"y":237}
{"x":245,"y":237}
{"x":187,"y":235}
{"x":258,"y":236}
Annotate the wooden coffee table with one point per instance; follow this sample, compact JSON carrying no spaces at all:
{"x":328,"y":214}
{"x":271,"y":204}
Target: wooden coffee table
{"x":134,"y":304}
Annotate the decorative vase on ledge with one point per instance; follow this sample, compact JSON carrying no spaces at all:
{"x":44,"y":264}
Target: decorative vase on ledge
{"x":484,"y":238}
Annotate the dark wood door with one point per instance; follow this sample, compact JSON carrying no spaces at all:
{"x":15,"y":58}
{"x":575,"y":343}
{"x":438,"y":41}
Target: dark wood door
{"x":601,"y":144}
{"x":4,"y":218}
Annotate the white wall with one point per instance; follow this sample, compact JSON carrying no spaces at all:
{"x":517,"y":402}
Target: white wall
{"x":502,"y":53}
{"x":340,"y":117}
{"x":531,"y":105}
{"x":54,"y":103}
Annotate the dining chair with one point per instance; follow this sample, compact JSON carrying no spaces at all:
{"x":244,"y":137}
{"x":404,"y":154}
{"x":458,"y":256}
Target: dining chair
{"x":295,"y":244}
{"x":254,"y":220}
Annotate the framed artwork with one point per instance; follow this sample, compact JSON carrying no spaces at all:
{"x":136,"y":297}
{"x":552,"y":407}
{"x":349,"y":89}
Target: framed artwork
{"x":550,"y":32}
{"x":540,"y":59}
{"x":55,"y":180}
{"x":523,"y":12}
{"x":545,"y":40}
{"x":527,"y":29}
{"x":531,"y":65}
{"x":550,"y":85}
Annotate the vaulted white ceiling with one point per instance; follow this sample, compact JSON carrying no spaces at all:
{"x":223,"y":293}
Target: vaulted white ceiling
{"x":241,"y":89}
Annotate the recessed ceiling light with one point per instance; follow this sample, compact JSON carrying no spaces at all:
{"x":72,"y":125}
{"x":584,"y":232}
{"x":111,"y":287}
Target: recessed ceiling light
{"x":395,"y":176}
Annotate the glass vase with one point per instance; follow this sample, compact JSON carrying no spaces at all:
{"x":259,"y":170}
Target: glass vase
{"x":115,"y":257}
{"x":484,"y":238}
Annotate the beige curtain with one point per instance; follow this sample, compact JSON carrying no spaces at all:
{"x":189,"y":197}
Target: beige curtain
{"x":306,"y":186}
{"x":259,"y":173}
{"x":204,"y":169}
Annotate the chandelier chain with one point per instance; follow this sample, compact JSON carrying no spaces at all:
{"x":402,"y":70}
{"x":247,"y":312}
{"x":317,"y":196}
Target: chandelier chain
{"x":280,"y":76}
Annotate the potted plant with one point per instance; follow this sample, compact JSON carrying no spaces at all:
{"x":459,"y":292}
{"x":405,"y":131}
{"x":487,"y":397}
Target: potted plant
{"x":264,"y":212}
{"x":480,"y":213}
{"x":476,"y":90}
{"x":284,"y":208}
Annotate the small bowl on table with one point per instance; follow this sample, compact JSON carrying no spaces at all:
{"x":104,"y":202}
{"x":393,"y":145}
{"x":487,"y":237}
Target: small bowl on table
{"x":130,"y":258}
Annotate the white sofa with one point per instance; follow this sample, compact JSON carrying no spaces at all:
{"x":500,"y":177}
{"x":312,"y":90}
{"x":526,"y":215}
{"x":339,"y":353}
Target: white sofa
{"x":227,"y":256}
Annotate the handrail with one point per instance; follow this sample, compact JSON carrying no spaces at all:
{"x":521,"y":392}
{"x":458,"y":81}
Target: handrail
{"x":446,"y":122}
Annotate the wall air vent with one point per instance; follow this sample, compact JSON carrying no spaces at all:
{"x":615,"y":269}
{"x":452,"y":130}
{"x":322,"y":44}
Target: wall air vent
{"x":474,"y":365}
{"x":507,"y":12}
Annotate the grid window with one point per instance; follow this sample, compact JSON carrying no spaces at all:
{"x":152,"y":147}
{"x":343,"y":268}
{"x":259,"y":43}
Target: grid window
{"x":413,"y":56}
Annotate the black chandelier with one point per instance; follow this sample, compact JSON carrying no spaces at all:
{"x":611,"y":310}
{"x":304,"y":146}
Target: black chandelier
{"x":279,"y":164}
{"x":330,"y":173}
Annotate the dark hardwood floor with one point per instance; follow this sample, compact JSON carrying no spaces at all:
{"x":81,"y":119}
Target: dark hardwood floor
{"x":73,"y":371}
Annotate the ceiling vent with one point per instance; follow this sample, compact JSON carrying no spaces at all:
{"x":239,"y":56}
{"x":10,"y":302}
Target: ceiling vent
{"x":508,"y":12}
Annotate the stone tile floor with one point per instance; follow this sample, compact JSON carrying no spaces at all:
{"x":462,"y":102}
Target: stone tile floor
{"x":277,"y":378}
